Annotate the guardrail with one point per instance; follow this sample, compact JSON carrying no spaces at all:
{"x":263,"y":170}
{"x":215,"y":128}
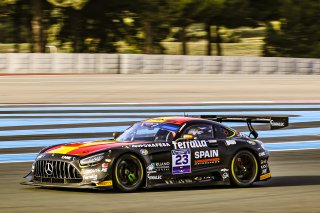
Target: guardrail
{"x":19,"y":63}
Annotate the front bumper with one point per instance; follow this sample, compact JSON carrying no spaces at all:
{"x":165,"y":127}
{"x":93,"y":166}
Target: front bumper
{"x":65,"y":172}
{"x":78,"y":186}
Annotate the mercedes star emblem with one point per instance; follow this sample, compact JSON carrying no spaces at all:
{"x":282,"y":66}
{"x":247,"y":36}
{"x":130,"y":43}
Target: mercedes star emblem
{"x":49,"y":169}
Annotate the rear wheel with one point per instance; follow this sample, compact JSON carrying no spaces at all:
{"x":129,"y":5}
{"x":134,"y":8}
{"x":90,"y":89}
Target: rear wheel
{"x":244,"y":169}
{"x":128,"y":173}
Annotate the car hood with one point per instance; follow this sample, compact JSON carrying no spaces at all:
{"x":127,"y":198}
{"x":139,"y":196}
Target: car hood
{"x":86,"y":148}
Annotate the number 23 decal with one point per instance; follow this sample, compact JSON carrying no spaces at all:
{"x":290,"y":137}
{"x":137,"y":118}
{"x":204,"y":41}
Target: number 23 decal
{"x":182,"y":159}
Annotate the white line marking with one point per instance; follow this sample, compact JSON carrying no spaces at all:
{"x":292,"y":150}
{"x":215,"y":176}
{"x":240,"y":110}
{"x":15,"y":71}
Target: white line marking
{"x":316,"y":141}
{"x":271,"y":150}
{"x":23,"y":161}
{"x":33,"y":153}
{"x":146,"y":103}
{"x":169,"y":103}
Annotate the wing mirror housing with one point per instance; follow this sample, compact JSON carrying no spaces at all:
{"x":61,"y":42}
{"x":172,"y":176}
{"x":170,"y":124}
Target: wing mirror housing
{"x":187,"y":137}
{"x":115,"y":135}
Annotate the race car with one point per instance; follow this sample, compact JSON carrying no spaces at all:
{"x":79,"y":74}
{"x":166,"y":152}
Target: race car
{"x":160,"y":152}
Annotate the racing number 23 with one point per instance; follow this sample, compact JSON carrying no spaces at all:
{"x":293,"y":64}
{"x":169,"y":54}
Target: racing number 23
{"x":182,"y":159}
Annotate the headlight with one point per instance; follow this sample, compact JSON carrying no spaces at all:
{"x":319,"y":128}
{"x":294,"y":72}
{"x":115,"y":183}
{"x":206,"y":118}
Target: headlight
{"x":92,"y":159}
{"x":32,"y":168}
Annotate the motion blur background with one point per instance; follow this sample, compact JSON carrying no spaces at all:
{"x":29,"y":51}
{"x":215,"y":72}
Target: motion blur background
{"x":289,"y":28}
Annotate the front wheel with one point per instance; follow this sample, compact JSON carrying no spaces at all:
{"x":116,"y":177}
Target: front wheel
{"x":244,"y":169}
{"x":128,"y":173}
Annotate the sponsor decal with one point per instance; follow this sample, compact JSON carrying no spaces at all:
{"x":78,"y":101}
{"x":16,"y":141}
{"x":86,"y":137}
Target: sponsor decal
{"x":264,"y":171}
{"x":107,"y":160}
{"x":206,"y":157}
{"x":265,"y":176}
{"x":225,"y":175}
{"x":90,"y":177}
{"x":206,"y":154}
{"x":212,"y":141}
{"x":158,"y":167}
{"x":151,"y":145}
{"x":224,"y":170}
{"x":203,"y":178}
{"x":262,"y":154}
{"x":105,"y":183}
{"x":104,"y":167}
{"x":65,"y":157}
{"x":231,"y":142}
{"x":263,"y":161}
{"x":206,"y":161}
{"x":154,"y":177}
{"x":273,"y":123}
{"x":89,"y":171}
{"x":162,"y":166}
{"x":151,"y":168}
{"x":181,"y":161}
{"x":190,"y":144}
{"x":264,"y":166}
{"x":144,"y":152}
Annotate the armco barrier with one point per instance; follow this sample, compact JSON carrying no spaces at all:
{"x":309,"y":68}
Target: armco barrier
{"x":20,"y":63}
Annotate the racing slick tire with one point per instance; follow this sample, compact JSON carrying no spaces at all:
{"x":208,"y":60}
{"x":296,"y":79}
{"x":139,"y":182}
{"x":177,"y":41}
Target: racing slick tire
{"x":128,"y":173}
{"x":244,"y":169}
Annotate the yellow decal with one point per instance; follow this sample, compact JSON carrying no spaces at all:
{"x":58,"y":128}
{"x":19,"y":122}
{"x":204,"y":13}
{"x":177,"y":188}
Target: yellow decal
{"x":105,"y":183}
{"x":156,"y":120}
{"x":96,"y":143}
{"x":265,"y":176}
{"x":63,"y":150}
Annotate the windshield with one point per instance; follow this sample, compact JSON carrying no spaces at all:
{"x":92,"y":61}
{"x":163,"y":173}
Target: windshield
{"x":150,"y":132}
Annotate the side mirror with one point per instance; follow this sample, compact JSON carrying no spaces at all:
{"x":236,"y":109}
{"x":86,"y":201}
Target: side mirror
{"x":188,"y":137}
{"x":115,"y":135}
{"x":185,"y":137}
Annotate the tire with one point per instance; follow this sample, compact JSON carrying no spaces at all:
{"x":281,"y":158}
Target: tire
{"x":244,"y":169}
{"x":128,"y":173}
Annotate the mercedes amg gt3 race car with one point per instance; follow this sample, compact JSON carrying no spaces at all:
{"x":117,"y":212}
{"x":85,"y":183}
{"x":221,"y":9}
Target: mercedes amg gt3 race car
{"x":159,"y":152}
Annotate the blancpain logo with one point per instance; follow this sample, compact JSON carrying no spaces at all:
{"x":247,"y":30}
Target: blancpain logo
{"x":189,"y":144}
{"x":276,"y":123}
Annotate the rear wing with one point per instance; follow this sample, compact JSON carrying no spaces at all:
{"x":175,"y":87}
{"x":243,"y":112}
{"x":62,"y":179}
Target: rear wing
{"x":276,"y":122}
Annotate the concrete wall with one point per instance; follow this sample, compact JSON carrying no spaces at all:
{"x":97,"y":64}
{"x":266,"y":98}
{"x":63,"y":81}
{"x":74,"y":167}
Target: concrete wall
{"x":19,"y":63}
{"x":59,"y":63}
